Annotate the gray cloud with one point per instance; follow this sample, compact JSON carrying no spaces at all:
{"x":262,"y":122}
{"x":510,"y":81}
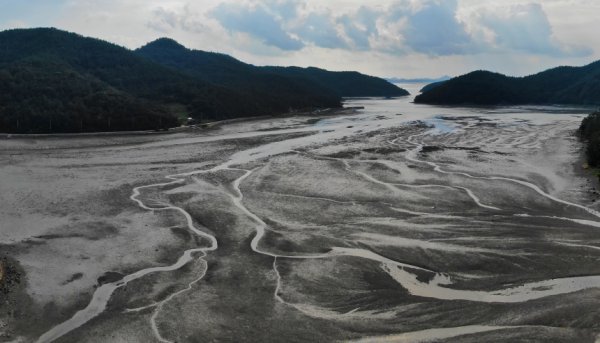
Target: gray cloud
{"x":430,"y":27}
{"x":361,"y":26}
{"x":165,"y":20}
{"x":320,"y":30}
{"x":260,"y":21}
{"x":526,"y":28}
{"x":435,"y":30}
{"x":285,"y":9}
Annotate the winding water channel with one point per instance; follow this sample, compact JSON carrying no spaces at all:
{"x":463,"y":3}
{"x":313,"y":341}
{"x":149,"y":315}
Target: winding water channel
{"x":438,"y":286}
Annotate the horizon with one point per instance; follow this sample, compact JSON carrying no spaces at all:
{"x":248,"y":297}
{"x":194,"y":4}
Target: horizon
{"x":389,"y":39}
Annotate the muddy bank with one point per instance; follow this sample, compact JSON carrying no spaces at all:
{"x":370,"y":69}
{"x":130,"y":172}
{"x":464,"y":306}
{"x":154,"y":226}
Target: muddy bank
{"x":365,"y":225}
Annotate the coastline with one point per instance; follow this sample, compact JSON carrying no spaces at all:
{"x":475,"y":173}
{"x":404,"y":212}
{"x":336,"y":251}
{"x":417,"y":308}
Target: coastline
{"x":584,"y":170}
{"x":377,"y":161}
{"x":181,"y":129}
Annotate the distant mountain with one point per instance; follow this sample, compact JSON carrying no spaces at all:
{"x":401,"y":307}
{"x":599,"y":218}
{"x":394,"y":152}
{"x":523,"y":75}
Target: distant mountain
{"x":418,"y":80}
{"x":562,"y":85}
{"x":38,"y":95}
{"x":56,"y":81}
{"x":431,"y":86}
{"x":283,"y":84}
{"x":276,"y":93}
{"x":344,"y":83}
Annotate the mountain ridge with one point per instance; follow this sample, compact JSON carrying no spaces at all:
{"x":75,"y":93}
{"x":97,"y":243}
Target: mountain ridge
{"x":560,"y":85}
{"x":202,"y":64}
{"x":54,"y":81}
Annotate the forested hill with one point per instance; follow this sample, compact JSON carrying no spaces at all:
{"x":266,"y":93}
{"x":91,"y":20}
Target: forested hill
{"x":589,"y":131}
{"x":56,"y":81}
{"x":278,"y":92}
{"x":281,"y":82}
{"x":562,"y":85}
{"x":344,"y":83}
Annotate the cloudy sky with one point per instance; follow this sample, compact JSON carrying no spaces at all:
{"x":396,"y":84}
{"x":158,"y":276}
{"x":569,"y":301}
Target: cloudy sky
{"x":402,"y":38}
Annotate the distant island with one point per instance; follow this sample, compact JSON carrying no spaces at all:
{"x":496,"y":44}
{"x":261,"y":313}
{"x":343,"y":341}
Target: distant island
{"x":53,"y":81}
{"x":431,"y":86}
{"x":562,"y":85}
{"x":418,"y":80}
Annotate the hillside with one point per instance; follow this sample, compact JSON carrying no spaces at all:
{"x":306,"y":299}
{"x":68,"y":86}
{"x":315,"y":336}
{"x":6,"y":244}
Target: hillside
{"x":344,"y":83}
{"x":562,"y":85}
{"x":284,"y":84}
{"x":42,"y":96}
{"x":275,"y":92}
{"x":56,"y":81}
{"x":589,"y":131}
{"x":431,"y":86}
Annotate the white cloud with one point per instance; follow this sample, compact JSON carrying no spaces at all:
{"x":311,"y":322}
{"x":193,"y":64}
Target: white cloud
{"x":258,"y":20}
{"x":431,"y":27}
{"x":520,"y":27}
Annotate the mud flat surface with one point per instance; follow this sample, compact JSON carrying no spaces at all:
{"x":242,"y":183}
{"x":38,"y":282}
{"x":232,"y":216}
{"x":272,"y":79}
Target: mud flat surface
{"x":398,"y":223}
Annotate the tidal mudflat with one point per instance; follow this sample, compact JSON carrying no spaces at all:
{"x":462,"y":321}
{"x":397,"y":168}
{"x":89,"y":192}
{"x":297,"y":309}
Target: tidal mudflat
{"x":397,"y":223}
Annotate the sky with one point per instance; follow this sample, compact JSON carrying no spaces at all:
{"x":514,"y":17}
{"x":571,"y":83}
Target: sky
{"x":386,"y":38}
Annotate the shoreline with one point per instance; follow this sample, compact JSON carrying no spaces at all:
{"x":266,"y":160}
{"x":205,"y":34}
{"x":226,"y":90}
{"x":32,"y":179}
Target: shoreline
{"x":479,"y":249}
{"x":584,"y":170}
{"x":179,"y":129}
